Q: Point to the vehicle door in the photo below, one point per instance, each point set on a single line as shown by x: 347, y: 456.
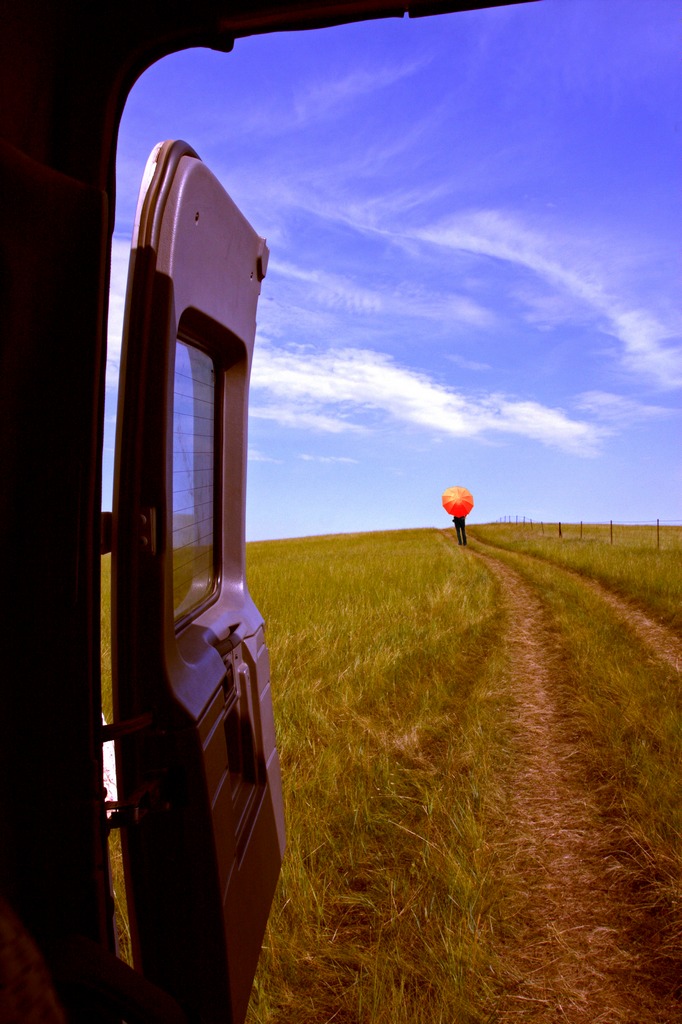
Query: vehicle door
x: 199, y: 793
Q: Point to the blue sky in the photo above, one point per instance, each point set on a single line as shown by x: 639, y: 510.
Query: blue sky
x: 474, y: 223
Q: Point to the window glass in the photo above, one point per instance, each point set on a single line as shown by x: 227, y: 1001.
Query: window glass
x: 194, y: 574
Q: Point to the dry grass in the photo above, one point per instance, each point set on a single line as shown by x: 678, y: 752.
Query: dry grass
x: 481, y: 771
x: 383, y: 704
x: 632, y: 567
x: 475, y: 868
x: 617, y: 710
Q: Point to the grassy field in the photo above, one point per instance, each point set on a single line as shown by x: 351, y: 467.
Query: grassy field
x: 382, y: 711
x: 398, y: 738
x: 632, y: 566
x: 627, y: 708
x: 663, y: 536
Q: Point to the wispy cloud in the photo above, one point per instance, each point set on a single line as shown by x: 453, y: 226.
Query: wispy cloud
x: 586, y: 279
x: 352, y: 389
x: 620, y: 411
x: 328, y: 459
x: 332, y: 290
x: 325, y: 97
x: 577, y: 279
x: 467, y: 364
x: 562, y: 264
x: 255, y: 455
x: 336, y: 291
x: 302, y: 416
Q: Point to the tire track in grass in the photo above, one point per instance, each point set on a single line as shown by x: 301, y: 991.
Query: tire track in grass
x: 567, y: 950
x: 662, y: 641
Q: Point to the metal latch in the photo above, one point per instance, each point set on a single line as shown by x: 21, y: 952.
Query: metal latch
x: 146, y: 799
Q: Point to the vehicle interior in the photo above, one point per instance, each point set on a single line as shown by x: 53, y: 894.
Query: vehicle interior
x: 198, y: 800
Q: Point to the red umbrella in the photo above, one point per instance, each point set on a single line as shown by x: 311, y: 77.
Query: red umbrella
x: 457, y: 501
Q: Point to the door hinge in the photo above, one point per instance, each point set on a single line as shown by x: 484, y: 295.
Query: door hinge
x: 147, y: 530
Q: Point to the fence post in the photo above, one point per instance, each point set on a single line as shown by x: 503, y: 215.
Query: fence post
x: 581, y: 529
x: 560, y: 534
x: 658, y: 534
x: 542, y: 526
x: 611, y: 525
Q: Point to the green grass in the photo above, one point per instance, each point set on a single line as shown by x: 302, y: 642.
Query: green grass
x: 628, y: 703
x: 649, y: 536
x: 396, y: 733
x: 397, y: 738
x: 626, y: 709
x: 384, y: 704
x: 632, y: 566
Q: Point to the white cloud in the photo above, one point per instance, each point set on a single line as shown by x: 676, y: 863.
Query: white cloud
x: 257, y: 456
x: 576, y: 279
x: 316, y: 101
x: 619, y: 410
x: 567, y: 265
x: 336, y: 291
x: 302, y: 416
x: 323, y: 98
x: 328, y: 458
x: 333, y: 290
x: 336, y: 389
x: 467, y: 364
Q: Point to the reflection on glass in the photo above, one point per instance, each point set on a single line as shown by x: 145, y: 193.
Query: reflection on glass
x: 193, y: 478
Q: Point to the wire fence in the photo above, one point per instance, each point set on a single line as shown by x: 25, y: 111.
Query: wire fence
x: 659, y: 533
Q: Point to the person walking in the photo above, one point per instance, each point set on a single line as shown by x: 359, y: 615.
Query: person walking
x: 460, y: 527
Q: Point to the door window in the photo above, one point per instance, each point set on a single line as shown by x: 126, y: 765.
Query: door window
x: 194, y: 572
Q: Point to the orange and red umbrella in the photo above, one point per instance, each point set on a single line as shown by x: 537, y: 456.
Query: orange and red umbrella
x: 457, y: 501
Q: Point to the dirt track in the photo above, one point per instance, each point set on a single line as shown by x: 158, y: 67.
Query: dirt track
x: 572, y: 956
